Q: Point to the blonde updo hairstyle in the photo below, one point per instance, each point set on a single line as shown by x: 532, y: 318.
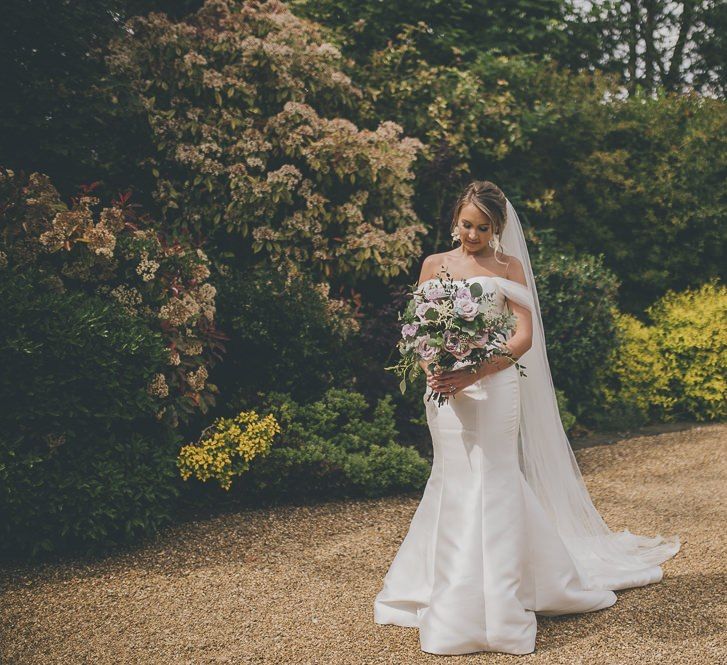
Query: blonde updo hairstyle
x: 490, y: 199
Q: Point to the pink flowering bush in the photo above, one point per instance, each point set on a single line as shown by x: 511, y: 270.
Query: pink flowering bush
x: 246, y: 108
x: 115, y: 252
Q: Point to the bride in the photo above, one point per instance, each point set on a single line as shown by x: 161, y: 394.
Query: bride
x: 505, y: 527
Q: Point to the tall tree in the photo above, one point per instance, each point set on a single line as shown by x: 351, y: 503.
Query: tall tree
x: 651, y: 43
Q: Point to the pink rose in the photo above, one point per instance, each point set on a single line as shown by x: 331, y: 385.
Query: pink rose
x: 409, y: 329
x: 451, y: 340
x: 422, y: 309
x: 466, y: 308
x: 425, y: 351
x: 434, y: 292
x: 479, y: 340
x: 456, y: 345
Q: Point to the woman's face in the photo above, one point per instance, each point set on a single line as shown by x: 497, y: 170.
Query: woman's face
x: 474, y: 228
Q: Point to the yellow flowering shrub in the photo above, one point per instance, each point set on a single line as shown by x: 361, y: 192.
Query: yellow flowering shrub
x: 675, y: 367
x: 226, y: 448
x: 639, y: 370
x: 691, y: 334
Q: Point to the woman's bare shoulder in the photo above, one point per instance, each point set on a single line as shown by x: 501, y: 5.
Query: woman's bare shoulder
x: 515, y: 271
x: 505, y: 258
x: 512, y: 261
x: 439, y: 260
x: 433, y: 258
x: 431, y: 265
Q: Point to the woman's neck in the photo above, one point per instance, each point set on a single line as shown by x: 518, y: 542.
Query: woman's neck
x: 485, y: 253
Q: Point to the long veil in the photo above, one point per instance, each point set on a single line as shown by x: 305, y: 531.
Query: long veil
x: 605, y: 559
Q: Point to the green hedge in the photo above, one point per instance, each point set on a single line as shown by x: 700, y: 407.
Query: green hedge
x: 83, y: 461
x: 577, y: 297
x: 673, y: 367
x: 282, y: 338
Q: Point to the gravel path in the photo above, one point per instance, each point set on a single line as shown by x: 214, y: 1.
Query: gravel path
x: 296, y: 584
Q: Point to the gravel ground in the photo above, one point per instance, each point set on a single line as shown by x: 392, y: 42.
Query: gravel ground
x: 296, y: 584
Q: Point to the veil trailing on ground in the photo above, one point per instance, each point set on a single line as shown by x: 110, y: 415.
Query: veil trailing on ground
x: 604, y: 558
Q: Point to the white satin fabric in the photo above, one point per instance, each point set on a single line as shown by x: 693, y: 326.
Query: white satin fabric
x: 481, y: 555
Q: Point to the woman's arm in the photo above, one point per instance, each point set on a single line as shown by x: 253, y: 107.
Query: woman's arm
x: 522, y: 338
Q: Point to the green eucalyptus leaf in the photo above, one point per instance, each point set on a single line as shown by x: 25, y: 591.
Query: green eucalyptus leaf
x: 476, y: 289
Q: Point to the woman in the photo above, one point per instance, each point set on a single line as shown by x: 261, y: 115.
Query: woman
x: 505, y: 527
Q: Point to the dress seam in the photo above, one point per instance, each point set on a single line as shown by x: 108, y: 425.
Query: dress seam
x: 529, y: 530
x: 483, y: 531
x: 435, y: 534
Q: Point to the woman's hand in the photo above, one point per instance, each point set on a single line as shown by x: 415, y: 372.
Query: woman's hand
x: 453, y: 381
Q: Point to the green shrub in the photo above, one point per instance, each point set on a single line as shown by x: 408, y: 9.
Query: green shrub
x: 84, y: 462
x: 87, y: 498
x: 283, y: 336
x: 124, y: 256
x: 566, y: 417
x: 642, y: 180
x: 577, y: 297
x: 674, y: 368
x: 338, y: 446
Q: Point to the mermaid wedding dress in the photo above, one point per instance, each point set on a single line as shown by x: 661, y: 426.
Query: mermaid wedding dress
x: 505, y: 527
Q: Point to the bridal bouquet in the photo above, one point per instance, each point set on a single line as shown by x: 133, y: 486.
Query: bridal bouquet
x: 446, y: 322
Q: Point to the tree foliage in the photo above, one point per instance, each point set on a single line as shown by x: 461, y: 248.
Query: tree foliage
x: 645, y: 186
x: 447, y: 32
x: 54, y: 113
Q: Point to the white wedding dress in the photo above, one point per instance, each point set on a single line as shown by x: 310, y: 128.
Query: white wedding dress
x: 482, y: 555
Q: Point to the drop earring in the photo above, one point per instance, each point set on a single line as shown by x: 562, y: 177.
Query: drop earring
x: 455, y: 237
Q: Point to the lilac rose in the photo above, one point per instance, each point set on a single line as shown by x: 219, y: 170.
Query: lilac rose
x: 425, y: 351
x: 434, y: 292
x: 409, y: 329
x: 456, y: 345
x: 451, y: 339
x: 422, y: 309
x: 480, y: 339
x: 466, y: 308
